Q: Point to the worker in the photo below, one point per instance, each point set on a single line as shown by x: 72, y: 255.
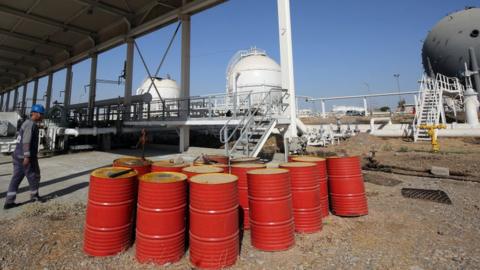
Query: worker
x: 25, y: 161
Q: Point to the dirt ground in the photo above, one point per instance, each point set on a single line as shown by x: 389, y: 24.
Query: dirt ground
x: 460, y: 155
x: 398, y: 233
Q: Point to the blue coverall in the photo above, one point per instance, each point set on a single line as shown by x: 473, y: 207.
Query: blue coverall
x: 26, y: 147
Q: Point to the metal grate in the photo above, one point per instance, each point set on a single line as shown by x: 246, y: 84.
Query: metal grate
x: 426, y: 194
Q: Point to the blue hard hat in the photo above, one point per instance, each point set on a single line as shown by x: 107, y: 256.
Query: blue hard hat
x: 38, y: 108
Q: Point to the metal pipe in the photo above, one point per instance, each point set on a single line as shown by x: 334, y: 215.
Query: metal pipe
x: 145, y: 98
x: 370, y: 95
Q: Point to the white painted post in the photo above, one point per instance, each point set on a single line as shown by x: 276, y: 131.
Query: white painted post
x: 324, y: 115
x: 365, y: 106
x: 184, y: 133
x: 128, y: 78
x: 286, y: 61
x: 93, y: 88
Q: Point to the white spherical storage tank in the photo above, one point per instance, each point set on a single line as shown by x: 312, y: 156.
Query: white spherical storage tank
x: 167, y: 88
x: 252, y: 71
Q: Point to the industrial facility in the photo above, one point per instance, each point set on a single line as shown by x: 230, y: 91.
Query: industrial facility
x: 262, y: 175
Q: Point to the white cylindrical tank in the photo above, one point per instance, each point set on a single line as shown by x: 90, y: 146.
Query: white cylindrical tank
x: 471, y: 107
x: 167, y: 88
x: 252, y: 71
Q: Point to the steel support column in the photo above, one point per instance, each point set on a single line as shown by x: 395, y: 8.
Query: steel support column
x: 286, y: 61
x: 8, y: 102
x: 128, y: 78
x: 15, y: 98
x: 24, y: 99
x: 474, y: 67
x: 67, y: 94
x: 324, y: 115
x: 93, y: 88
x: 365, y: 105
x: 48, y: 94
x: 1, y: 102
x: 35, y: 91
x: 184, y: 133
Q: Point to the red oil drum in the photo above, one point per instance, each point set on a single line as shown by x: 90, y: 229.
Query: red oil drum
x: 167, y: 166
x: 240, y: 170
x: 305, y: 188
x: 245, y: 160
x: 214, y: 232
x: 161, y: 212
x: 346, y: 187
x: 109, y: 218
x: 271, y: 216
x: 195, y: 170
x: 322, y: 178
x: 142, y: 166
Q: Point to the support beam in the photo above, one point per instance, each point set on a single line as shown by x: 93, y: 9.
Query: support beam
x: 67, y: 94
x: 184, y: 133
x: 18, y: 69
x: 286, y: 62
x: 24, y: 99
x: 93, y: 88
x: 128, y: 78
x: 8, y: 102
x: 48, y: 94
x: 324, y: 115
x: 32, y: 53
x: 1, y: 102
x: 21, y: 63
x: 475, y: 68
x: 35, y: 92
x: 39, y: 19
x: 15, y: 98
x: 34, y: 39
x: 106, y: 8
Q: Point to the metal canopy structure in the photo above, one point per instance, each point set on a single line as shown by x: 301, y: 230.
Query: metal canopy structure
x: 38, y: 37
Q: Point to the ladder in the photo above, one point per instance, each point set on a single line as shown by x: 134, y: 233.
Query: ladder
x: 253, y: 129
x: 430, y: 110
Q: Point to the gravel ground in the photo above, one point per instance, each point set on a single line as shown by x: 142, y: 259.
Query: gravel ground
x: 398, y: 233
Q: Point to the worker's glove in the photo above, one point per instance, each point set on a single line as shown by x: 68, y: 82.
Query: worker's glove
x: 26, y: 161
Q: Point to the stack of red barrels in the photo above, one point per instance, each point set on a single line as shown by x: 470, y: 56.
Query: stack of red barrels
x: 176, y: 206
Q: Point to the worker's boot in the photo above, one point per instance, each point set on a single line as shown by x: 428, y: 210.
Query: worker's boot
x: 10, y: 205
x: 37, y: 198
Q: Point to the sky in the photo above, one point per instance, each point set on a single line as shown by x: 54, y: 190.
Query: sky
x: 346, y: 47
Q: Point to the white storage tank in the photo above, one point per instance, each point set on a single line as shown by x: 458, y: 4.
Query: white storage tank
x: 253, y: 71
x: 167, y: 88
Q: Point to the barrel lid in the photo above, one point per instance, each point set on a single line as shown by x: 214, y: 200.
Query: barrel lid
x: 308, y: 159
x: 249, y: 165
x: 163, y: 177
x: 132, y: 161
x: 203, y: 169
x: 107, y: 171
x: 168, y: 163
x: 214, y: 178
x: 335, y: 157
x: 245, y: 159
x: 297, y: 164
x: 268, y: 171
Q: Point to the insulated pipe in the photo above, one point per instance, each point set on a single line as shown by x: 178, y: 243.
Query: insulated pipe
x: 471, y: 107
x: 145, y: 98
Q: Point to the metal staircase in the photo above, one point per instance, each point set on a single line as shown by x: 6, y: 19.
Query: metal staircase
x: 254, y: 128
x: 430, y: 109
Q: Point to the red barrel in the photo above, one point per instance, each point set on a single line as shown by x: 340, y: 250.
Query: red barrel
x: 167, y: 166
x: 305, y: 188
x: 109, y: 218
x: 322, y: 178
x: 271, y: 216
x: 161, y: 211
x: 142, y: 166
x: 347, y: 190
x: 240, y: 170
x: 196, y: 170
x: 214, y: 233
